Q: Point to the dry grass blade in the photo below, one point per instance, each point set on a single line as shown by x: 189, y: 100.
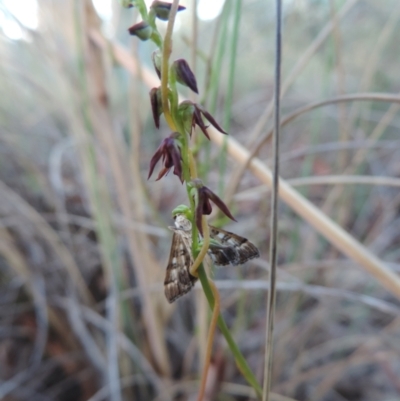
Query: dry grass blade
x: 21, y: 206
x: 261, y: 190
x: 345, y: 179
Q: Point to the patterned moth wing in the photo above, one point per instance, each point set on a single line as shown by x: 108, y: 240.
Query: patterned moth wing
x: 226, y: 249
x: 233, y: 248
x: 178, y: 281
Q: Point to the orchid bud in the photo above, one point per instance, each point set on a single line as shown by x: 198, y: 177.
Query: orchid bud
x: 156, y: 105
x: 142, y: 30
x: 184, y: 74
x: 162, y: 9
x: 157, y: 61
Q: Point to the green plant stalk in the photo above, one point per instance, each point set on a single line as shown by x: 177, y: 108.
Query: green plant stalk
x: 150, y: 18
x: 213, y: 87
x: 217, y: 66
x: 141, y: 6
x: 187, y: 176
x: 229, y: 94
x: 240, y: 360
x: 232, y: 65
x: 166, y: 52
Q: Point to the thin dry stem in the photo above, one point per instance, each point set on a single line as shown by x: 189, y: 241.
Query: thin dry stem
x: 345, y: 179
x: 273, y: 248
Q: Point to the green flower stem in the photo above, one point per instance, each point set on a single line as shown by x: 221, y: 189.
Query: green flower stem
x: 240, y: 361
x: 156, y: 38
x: 174, y: 97
x: 141, y: 6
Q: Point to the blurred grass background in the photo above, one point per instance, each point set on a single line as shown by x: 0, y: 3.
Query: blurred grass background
x: 83, y: 234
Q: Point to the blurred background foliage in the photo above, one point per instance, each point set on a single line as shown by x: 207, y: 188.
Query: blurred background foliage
x: 83, y: 234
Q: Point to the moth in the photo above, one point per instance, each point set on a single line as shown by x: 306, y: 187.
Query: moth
x: 227, y: 248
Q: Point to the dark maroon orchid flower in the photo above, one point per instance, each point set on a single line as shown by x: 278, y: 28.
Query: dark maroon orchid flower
x: 170, y: 153
x: 203, y: 204
x: 191, y: 115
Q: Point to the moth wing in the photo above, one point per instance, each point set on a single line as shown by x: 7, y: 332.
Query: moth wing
x: 178, y: 281
x: 233, y: 248
x: 223, y: 255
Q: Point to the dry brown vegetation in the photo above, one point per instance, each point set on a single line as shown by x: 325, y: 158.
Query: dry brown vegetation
x: 83, y: 235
